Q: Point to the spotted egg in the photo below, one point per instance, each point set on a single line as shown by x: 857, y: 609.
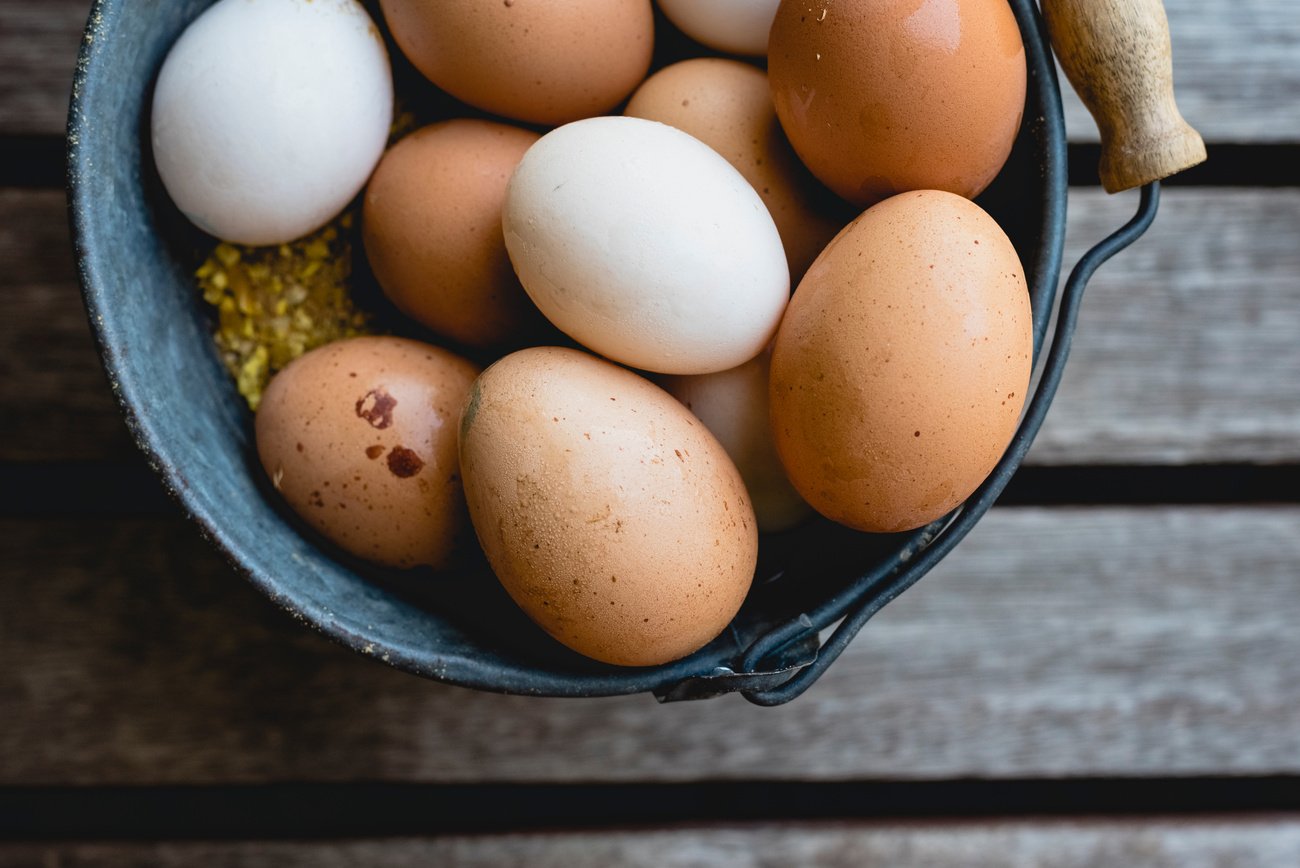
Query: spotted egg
x: 359, y: 438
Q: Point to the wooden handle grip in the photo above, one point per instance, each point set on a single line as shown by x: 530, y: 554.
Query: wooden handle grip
x: 1116, y: 54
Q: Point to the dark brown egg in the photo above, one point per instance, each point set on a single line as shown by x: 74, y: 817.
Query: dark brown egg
x: 883, y: 96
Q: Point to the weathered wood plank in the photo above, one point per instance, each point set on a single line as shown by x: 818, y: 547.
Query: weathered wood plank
x: 1186, y: 351
x: 55, y: 402
x: 38, y: 50
x: 1236, y: 68
x: 1053, y: 642
x: 1264, y: 842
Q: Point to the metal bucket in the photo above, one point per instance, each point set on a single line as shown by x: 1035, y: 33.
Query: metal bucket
x: 136, y: 272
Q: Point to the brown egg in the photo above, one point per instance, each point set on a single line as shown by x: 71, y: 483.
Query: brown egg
x: 543, y: 61
x: 432, y: 230
x: 902, y: 363
x: 727, y: 105
x: 892, y: 95
x: 609, y: 513
x: 359, y: 437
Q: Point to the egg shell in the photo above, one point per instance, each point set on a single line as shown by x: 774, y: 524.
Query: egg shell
x: 359, y: 438
x: 269, y: 115
x: 883, y: 96
x: 542, y: 61
x: 727, y: 104
x: 645, y: 245
x: 734, y: 26
x: 610, y: 514
x: 734, y: 406
x: 901, y: 367
x: 432, y: 231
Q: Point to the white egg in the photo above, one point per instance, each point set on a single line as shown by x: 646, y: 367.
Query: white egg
x: 737, y: 26
x: 733, y: 405
x: 269, y: 115
x: 643, y: 244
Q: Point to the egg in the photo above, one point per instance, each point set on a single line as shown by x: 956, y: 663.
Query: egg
x: 733, y: 405
x: 432, y: 230
x: 734, y: 26
x: 359, y: 438
x: 541, y: 61
x: 269, y: 115
x: 645, y: 245
x: 886, y: 96
x: 609, y: 513
x: 902, y: 364
x: 727, y: 105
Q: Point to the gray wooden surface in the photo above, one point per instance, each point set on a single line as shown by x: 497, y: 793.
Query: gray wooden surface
x: 1057, y: 643
x: 1263, y: 842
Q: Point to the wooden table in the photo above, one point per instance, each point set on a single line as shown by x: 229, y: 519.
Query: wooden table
x: 1106, y: 673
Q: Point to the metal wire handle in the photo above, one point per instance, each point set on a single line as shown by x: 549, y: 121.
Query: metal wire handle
x: 930, y: 544
x: 785, y: 661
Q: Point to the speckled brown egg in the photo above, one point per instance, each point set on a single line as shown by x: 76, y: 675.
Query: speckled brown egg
x: 359, y: 438
x: 727, y: 105
x: 883, y: 96
x: 432, y: 231
x: 609, y: 513
x: 542, y: 61
x: 902, y: 364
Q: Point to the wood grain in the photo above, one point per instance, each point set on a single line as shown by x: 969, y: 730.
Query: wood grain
x: 1259, y: 842
x: 1186, y: 351
x: 55, y: 402
x: 38, y: 50
x: 1236, y: 68
x: 1053, y: 642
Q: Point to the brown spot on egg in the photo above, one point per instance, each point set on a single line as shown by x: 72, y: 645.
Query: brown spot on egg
x: 376, y: 407
x: 404, y: 463
x: 373, y: 452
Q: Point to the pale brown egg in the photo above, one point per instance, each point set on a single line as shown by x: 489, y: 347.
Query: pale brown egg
x: 892, y: 95
x: 609, y: 513
x: 542, y: 61
x: 432, y: 231
x: 359, y: 438
x: 727, y: 105
x: 734, y: 405
x: 902, y: 364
